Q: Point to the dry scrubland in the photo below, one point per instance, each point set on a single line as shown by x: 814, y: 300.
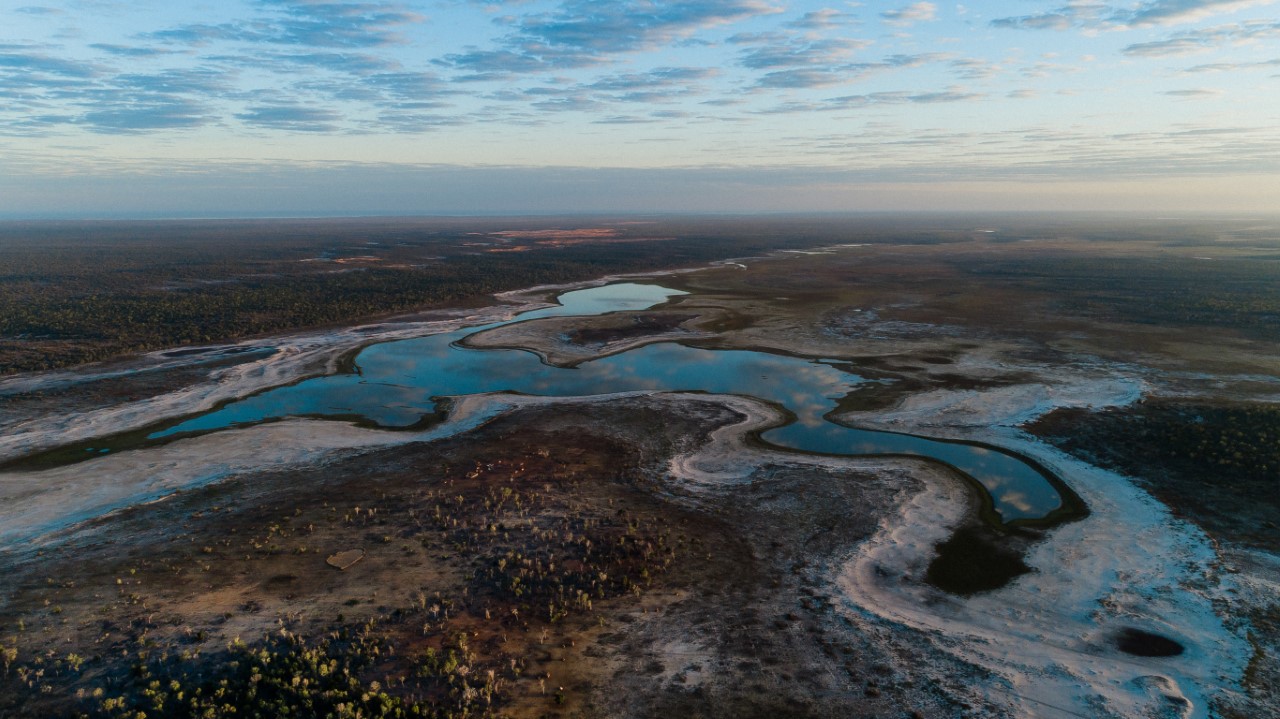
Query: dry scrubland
x: 541, y: 565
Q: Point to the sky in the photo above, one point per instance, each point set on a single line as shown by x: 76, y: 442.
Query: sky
x: 312, y: 107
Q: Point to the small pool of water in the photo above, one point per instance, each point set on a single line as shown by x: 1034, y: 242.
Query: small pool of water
x: 398, y: 380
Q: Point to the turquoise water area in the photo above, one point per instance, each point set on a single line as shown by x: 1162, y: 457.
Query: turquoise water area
x: 398, y: 380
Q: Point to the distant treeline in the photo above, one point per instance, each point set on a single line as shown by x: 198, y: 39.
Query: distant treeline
x: 76, y: 292
x: 72, y: 293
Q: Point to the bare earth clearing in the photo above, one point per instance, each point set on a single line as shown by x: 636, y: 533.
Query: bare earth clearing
x: 642, y: 555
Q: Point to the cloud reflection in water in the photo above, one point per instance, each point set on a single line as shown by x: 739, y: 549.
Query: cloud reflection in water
x: 399, y: 379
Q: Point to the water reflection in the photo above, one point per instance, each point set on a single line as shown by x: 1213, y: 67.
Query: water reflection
x: 399, y: 379
x: 1018, y: 490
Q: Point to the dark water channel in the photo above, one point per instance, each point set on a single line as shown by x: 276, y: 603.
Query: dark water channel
x: 398, y: 380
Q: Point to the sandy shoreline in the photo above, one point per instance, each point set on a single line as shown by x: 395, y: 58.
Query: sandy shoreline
x: 1048, y: 635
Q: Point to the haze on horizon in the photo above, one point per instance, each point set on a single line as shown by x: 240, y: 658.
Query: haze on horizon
x: 277, y: 107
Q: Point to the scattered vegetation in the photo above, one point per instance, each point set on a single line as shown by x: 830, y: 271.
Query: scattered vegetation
x: 75, y: 292
x: 640, y: 325
x: 1217, y: 464
x: 1169, y: 291
x: 512, y: 558
x: 281, y: 676
x: 80, y: 292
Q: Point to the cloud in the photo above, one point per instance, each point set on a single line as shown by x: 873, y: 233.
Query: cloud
x: 396, y: 98
x: 658, y: 85
x: 799, y: 60
x: 586, y: 97
x: 583, y: 33
x: 34, y: 89
x: 1048, y: 69
x: 1193, y: 41
x: 841, y: 73
x: 658, y: 77
x: 911, y: 14
x: 1085, y: 14
x: 933, y: 98
x: 43, y: 93
x: 139, y: 102
x: 824, y: 19
x: 623, y: 120
x: 803, y: 79
x: 896, y: 98
x: 1193, y: 93
x: 1165, y: 48
x: 414, y: 86
x: 653, y: 117
x: 129, y: 116
x: 975, y: 69
x: 796, y: 61
x: 45, y: 64
x: 629, y: 25
x: 313, y: 66
x: 413, y: 122
x: 340, y: 62
x: 342, y: 77
x: 573, y: 102
x: 308, y: 23
x: 320, y: 24
x: 199, y: 34
x: 129, y: 50
x: 901, y: 97
x: 1233, y: 66
x: 488, y: 65
x: 802, y: 52
x: 1169, y: 12
x: 1075, y: 15
x: 293, y: 118
x: 846, y: 169
x: 655, y: 86
x: 203, y: 82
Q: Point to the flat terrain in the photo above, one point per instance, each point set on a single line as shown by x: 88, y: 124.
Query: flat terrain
x: 76, y: 292
x: 556, y: 566
x: 645, y: 555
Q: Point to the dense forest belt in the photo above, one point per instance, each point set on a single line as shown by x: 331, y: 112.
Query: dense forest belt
x: 1218, y: 465
x: 72, y: 293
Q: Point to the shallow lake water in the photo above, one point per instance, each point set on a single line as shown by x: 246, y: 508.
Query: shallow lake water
x: 397, y: 382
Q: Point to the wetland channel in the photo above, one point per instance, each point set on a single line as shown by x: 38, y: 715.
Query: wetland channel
x: 399, y: 384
